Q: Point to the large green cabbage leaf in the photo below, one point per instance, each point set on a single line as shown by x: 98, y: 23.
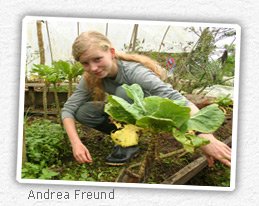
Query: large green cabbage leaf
x: 176, y: 113
x: 207, y: 120
x: 136, y: 94
x: 155, y: 123
x: 120, y: 110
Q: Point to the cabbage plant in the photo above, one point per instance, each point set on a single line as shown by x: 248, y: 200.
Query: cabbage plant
x: 156, y: 114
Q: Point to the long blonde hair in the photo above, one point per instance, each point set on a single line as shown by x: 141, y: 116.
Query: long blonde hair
x: 87, y: 40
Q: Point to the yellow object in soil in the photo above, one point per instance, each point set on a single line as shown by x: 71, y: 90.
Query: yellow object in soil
x: 126, y: 136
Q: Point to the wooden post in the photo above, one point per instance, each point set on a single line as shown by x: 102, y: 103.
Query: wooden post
x: 135, y: 38
x: 45, y: 100
x: 107, y: 28
x: 40, y: 42
x: 78, y: 28
x: 162, y: 42
x: 50, y: 47
x: 31, y: 96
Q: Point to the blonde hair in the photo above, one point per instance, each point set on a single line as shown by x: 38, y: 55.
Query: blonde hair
x: 87, y: 40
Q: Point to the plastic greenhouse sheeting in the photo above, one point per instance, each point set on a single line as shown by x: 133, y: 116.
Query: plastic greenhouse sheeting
x: 218, y: 91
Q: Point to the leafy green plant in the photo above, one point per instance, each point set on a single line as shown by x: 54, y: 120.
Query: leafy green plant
x: 70, y: 71
x: 82, y: 172
x: 37, y: 171
x: 46, y: 141
x: 229, y: 66
x: 225, y: 101
x: 158, y: 114
x: 50, y: 75
x: 219, y: 175
x: 196, y: 69
x: 47, y: 174
x: 41, y: 71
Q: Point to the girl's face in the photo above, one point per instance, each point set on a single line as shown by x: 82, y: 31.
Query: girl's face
x: 99, y: 63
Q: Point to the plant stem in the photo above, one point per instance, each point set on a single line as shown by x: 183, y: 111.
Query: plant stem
x: 148, y: 159
x: 45, y: 100
x: 57, y: 102
x: 70, y: 82
x: 170, y: 154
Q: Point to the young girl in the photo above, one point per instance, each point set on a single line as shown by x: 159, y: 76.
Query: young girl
x: 105, y: 71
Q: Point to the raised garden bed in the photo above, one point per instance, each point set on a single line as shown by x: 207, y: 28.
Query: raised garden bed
x: 34, y: 94
x: 179, y: 168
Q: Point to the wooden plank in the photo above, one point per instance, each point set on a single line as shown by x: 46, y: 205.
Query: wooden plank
x: 39, y: 84
x: 128, y: 176
x: 40, y: 112
x: 178, y: 178
x: 189, y: 171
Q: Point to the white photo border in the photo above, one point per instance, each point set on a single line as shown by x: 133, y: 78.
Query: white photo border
x: 115, y: 184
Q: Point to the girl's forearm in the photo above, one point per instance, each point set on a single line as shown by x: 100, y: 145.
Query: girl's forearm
x: 70, y: 127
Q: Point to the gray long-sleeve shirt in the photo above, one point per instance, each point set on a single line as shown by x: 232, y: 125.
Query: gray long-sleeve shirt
x: 128, y: 73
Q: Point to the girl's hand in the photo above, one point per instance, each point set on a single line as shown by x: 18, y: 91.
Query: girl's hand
x: 216, y: 150
x: 81, y: 153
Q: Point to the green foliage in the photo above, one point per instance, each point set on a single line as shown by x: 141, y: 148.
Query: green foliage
x: 189, y: 141
x: 37, y: 171
x: 229, y: 66
x: 50, y: 74
x: 68, y: 169
x: 31, y: 171
x: 207, y: 120
x: 224, y: 101
x: 81, y: 173
x: 47, y: 174
x: 199, y: 56
x: 219, y: 175
x: 54, y: 74
x: 164, y: 115
x: 138, y: 46
x: 58, y: 71
x: 195, y: 69
x: 41, y: 70
x: 69, y: 70
x: 120, y: 109
x: 46, y: 141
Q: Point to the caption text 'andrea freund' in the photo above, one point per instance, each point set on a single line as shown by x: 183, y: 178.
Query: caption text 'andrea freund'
x: 76, y: 195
